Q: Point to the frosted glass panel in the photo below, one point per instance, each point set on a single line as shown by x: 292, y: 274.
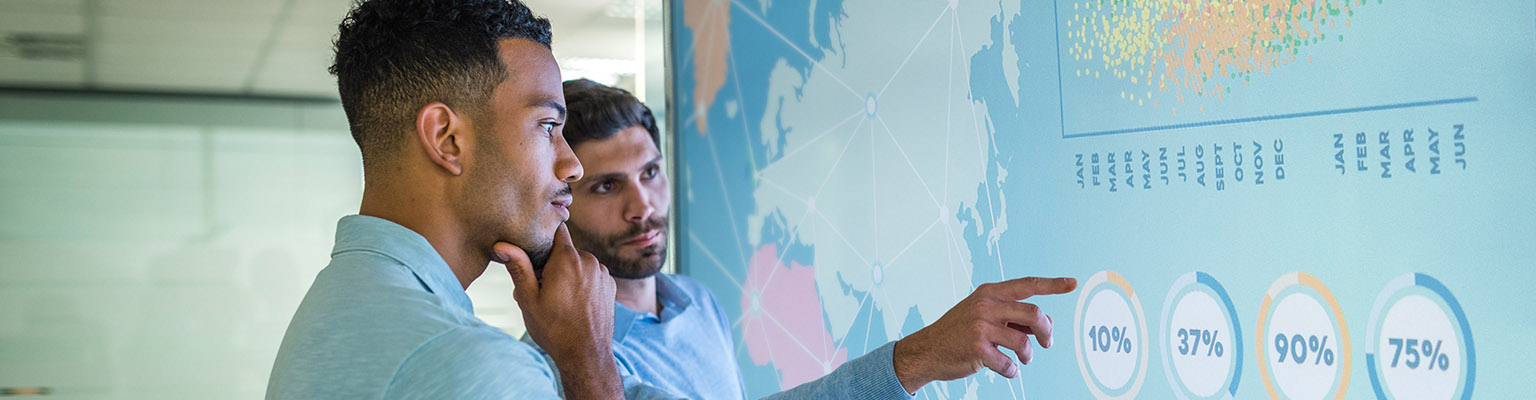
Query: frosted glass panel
x: 157, y: 248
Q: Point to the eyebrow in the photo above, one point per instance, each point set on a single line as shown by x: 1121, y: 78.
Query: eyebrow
x: 551, y: 104
x: 617, y: 175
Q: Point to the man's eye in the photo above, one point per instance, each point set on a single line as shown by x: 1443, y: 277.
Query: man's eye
x: 549, y: 127
x: 651, y: 172
x: 602, y: 187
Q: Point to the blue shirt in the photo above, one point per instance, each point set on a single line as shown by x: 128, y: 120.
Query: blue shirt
x: 689, y: 350
x: 387, y: 319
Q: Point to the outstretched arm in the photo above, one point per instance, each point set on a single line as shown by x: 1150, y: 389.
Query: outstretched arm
x: 959, y: 344
x: 968, y: 336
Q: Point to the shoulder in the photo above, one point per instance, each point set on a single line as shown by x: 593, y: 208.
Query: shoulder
x: 370, y: 295
x: 691, y: 286
x: 703, y: 299
x: 362, y: 317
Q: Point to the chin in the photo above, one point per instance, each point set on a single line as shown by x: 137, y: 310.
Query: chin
x: 617, y: 274
x: 637, y: 268
x: 533, y: 241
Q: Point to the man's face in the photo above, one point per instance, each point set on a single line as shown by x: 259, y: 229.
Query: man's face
x: 620, y: 214
x: 517, y: 188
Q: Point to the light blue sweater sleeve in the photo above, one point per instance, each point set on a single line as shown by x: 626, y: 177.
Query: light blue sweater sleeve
x: 872, y: 376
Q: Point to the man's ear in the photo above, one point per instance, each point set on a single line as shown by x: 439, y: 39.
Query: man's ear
x: 441, y: 134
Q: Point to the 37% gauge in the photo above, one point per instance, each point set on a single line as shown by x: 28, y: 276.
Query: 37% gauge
x: 1191, y: 339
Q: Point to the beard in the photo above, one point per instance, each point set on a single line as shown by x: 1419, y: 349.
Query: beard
x: 607, y: 249
x: 496, y: 209
x: 538, y: 255
x: 538, y: 252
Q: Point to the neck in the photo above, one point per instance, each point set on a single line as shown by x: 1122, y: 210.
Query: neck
x: 436, y: 224
x: 637, y: 294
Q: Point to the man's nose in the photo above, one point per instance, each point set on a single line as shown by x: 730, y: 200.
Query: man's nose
x: 639, y: 206
x: 567, y: 167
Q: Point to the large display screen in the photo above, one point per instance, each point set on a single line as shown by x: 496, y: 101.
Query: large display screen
x: 1260, y: 199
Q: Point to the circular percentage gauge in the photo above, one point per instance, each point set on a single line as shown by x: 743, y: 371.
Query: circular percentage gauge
x: 1420, y: 342
x: 1302, y: 341
x: 1111, y: 337
x: 1202, y: 341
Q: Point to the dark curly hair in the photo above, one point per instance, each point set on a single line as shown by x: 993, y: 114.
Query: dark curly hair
x: 598, y: 112
x: 395, y: 56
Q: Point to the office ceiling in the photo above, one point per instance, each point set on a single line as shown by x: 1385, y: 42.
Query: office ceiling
x: 233, y: 47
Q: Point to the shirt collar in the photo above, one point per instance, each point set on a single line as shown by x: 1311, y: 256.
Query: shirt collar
x: 672, y: 298
x: 386, y: 238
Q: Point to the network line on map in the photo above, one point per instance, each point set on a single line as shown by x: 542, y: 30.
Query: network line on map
x: 862, y: 103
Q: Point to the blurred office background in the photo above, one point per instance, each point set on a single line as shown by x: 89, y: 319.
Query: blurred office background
x: 171, y: 172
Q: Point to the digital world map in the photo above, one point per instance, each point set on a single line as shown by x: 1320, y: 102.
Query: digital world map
x: 849, y: 170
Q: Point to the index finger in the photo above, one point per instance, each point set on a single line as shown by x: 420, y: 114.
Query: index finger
x: 524, y: 280
x: 563, y: 239
x: 1023, y: 288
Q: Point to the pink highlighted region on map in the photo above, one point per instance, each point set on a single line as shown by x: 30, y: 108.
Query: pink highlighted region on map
x: 782, y: 323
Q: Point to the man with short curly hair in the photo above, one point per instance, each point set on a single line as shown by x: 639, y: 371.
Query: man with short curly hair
x: 456, y: 107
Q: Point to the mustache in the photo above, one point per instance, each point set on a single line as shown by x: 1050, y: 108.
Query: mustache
x: 563, y: 192
x: 653, y: 223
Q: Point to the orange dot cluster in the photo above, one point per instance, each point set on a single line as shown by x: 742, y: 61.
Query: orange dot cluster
x: 1198, y: 47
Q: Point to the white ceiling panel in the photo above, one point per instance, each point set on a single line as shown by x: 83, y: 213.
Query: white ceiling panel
x: 269, y: 47
x: 144, y: 66
x: 318, y: 13
x: 112, y: 31
x: 568, y: 11
x: 175, y: 58
x: 596, y: 41
x: 296, y: 71
x: 310, y: 37
x: 191, y: 10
